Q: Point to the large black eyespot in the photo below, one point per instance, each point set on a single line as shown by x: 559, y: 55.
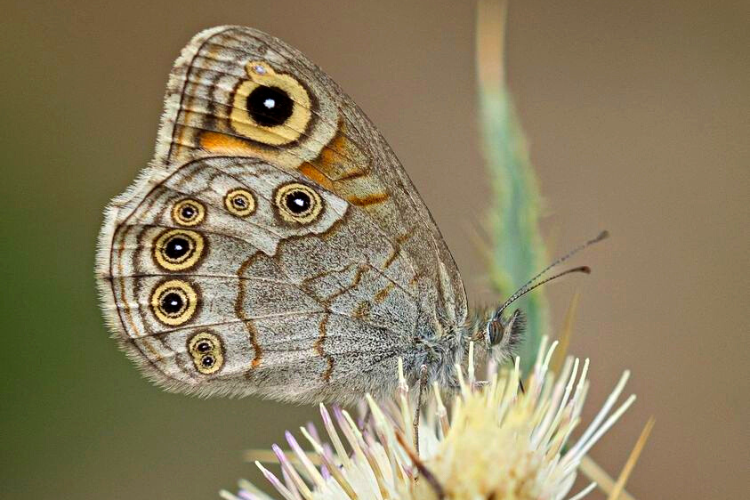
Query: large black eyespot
x: 172, y: 303
x: 269, y: 106
x: 265, y: 100
x: 298, y: 203
x: 178, y: 249
x: 187, y: 212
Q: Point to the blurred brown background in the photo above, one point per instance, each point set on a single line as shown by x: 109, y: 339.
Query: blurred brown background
x: 637, y: 115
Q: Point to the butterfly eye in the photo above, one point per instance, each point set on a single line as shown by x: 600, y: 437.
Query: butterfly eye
x: 178, y: 249
x: 298, y: 203
x: 270, y: 108
x: 207, y: 352
x: 188, y: 213
x: 174, y: 302
x: 240, y: 202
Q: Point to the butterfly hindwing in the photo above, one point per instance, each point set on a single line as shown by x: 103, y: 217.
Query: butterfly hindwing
x: 280, y: 302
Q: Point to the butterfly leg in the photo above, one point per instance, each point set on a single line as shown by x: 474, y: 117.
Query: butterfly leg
x: 424, y: 472
x: 366, y: 419
x: 420, y: 400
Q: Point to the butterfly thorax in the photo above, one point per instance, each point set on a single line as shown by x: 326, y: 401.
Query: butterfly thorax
x: 443, y: 354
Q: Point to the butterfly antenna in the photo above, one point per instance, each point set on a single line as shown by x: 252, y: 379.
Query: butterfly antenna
x: 527, y: 289
x: 531, y: 284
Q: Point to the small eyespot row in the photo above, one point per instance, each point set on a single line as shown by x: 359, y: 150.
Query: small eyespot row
x: 240, y: 202
x: 298, y: 203
x: 207, y: 352
x: 188, y: 212
x: 174, y: 302
x: 178, y: 249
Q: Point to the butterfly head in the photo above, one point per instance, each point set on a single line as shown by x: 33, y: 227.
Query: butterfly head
x: 506, y: 333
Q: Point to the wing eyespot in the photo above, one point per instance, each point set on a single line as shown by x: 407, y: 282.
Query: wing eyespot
x: 240, y: 202
x: 174, y: 302
x: 298, y: 203
x: 178, y: 249
x: 207, y: 351
x: 270, y: 108
x: 188, y: 212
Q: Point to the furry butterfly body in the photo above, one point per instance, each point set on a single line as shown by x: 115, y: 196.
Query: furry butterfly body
x: 275, y: 245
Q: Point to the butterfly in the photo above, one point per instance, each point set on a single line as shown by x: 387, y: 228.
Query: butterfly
x: 275, y: 246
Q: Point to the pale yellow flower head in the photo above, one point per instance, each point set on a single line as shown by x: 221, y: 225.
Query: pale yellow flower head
x: 495, y: 442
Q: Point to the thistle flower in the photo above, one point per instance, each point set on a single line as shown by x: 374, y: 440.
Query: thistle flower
x: 495, y: 442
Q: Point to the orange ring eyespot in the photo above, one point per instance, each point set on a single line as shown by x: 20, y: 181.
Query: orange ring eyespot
x: 174, y: 302
x: 178, y: 249
x: 207, y: 352
x: 188, y: 212
x: 240, y: 202
x: 298, y: 203
x: 270, y: 108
